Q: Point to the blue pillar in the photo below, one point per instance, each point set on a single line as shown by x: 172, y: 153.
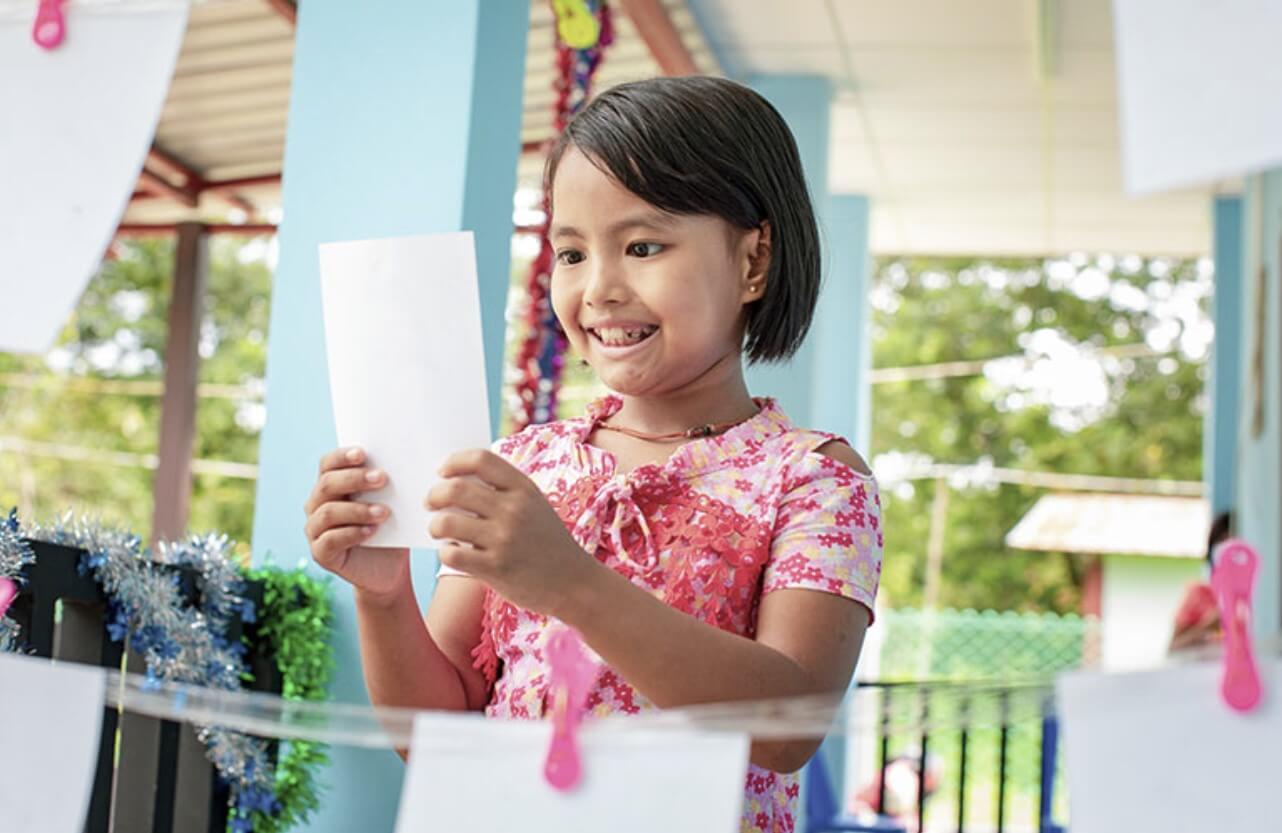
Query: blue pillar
x: 840, y: 395
x: 1219, y: 445
x: 803, y: 101
x: 404, y: 119
x: 1258, y: 492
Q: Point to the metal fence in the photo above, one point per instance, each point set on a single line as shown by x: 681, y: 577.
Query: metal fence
x: 951, y: 752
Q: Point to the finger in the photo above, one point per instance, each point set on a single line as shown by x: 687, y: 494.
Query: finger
x: 464, y: 559
x: 331, y: 546
x: 343, y: 513
x: 341, y: 484
x: 461, y: 493
x: 454, y: 526
x: 341, y: 458
x: 486, y: 465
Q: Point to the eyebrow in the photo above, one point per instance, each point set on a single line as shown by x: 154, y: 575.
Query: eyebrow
x: 654, y: 220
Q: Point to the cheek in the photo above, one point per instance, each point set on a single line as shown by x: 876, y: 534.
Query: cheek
x: 565, y: 305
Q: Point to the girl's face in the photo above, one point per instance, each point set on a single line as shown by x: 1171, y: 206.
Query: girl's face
x: 652, y: 301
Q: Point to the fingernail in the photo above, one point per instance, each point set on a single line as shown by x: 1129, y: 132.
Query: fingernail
x: 354, y: 454
x: 373, y: 476
x: 367, y: 530
x: 378, y: 511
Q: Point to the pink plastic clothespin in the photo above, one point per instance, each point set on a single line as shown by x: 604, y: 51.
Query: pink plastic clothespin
x: 1233, y: 579
x: 573, y: 672
x: 8, y: 590
x: 50, y: 27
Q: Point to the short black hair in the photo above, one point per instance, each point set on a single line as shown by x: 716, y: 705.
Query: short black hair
x: 701, y: 145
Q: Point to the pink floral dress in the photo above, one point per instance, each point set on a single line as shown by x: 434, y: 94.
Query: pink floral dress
x: 721, y: 523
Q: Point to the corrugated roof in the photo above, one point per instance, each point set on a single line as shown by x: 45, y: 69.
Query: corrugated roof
x: 1173, y: 527
x: 225, y: 115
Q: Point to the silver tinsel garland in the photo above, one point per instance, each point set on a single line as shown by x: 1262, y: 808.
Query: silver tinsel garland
x: 180, y: 642
x: 14, y: 555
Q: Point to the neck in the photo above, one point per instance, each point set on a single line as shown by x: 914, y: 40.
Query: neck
x: 720, y: 395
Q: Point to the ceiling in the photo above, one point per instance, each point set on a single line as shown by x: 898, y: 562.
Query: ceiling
x: 984, y: 127
x: 225, y: 115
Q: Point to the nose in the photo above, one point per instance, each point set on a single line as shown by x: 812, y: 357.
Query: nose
x: 605, y: 285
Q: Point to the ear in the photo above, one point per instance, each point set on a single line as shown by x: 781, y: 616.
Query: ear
x: 755, y: 253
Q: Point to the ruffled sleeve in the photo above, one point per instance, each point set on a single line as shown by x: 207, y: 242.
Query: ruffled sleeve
x: 827, y: 533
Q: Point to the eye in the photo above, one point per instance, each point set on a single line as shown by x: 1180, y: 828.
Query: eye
x: 644, y: 249
x: 569, y: 257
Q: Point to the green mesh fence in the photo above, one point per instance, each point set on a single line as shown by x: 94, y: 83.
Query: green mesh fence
x: 966, y: 645
x: 979, y: 646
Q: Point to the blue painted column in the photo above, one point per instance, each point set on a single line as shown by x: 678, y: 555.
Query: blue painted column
x: 1219, y: 447
x: 804, y: 102
x: 841, y: 399
x: 404, y: 118
x: 1258, y: 492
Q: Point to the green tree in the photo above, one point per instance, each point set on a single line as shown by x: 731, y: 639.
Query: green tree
x: 57, y: 404
x: 1064, y: 405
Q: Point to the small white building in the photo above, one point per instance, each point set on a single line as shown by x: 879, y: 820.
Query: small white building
x: 1142, y: 552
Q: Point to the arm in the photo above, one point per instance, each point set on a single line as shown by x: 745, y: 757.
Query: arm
x: 421, y: 662
x: 406, y: 661
x: 683, y: 661
x: 417, y: 662
x: 807, y: 642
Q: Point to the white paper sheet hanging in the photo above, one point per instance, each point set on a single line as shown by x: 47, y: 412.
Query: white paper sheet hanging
x: 50, y: 720
x: 75, y: 126
x: 1158, y: 752
x: 406, y: 364
x: 1198, y: 89
x: 468, y: 774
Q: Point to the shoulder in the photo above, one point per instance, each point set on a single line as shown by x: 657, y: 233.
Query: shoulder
x: 810, y: 453
x: 534, y: 441
x: 838, y: 449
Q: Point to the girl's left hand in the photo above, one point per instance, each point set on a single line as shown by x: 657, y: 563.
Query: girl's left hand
x: 519, y: 546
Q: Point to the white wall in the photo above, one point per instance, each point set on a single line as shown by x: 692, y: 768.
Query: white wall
x: 1140, y: 597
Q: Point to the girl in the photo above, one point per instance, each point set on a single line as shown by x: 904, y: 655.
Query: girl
x: 705, y: 547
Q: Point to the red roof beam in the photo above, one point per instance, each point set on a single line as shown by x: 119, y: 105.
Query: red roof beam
x: 154, y: 183
x: 287, y: 9
x: 664, y: 41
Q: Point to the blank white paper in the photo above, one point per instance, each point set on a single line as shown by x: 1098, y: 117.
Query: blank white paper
x: 1199, y: 89
x: 470, y: 774
x: 76, y: 123
x: 50, y: 720
x: 406, y: 364
x: 1159, y: 752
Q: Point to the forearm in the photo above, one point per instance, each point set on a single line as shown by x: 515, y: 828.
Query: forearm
x: 683, y: 661
x: 402, y: 664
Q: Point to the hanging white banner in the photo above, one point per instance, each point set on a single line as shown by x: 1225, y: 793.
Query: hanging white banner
x: 1198, y: 90
x: 77, y: 123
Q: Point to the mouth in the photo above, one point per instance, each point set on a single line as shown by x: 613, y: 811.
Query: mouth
x: 619, y: 337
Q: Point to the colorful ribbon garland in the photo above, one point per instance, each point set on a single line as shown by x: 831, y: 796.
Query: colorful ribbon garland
x: 540, y: 357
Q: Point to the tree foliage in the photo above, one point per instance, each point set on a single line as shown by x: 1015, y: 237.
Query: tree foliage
x: 1061, y: 403
x: 117, y: 333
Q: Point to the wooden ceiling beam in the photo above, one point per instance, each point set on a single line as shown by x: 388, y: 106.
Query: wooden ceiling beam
x: 661, y: 37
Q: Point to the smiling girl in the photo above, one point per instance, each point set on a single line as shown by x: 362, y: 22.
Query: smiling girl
x: 704, y: 546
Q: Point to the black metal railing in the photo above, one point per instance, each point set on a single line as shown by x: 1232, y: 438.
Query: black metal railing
x: 956, y: 740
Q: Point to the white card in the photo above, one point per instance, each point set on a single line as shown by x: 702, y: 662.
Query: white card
x: 76, y: 125
x: 50, y: 724
x: 406, y: 364
x: 1197, y: 89
x: 469, y: 774
x: 1159, y: 751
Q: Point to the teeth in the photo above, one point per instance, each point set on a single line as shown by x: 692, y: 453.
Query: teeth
x: 619, y: 337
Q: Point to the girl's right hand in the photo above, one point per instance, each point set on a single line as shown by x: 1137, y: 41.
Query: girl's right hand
x: 337, y: 525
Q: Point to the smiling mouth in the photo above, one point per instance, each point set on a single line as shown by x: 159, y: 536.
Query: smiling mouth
x: 620, y: 337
